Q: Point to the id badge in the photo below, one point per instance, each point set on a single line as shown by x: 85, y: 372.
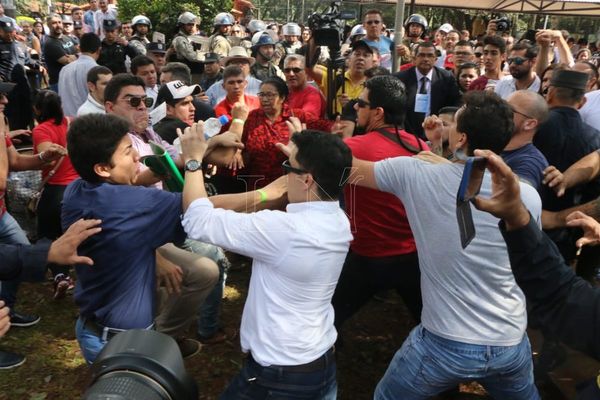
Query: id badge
x: 422, y: 103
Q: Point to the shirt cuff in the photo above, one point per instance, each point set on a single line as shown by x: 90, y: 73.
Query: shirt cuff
x: 523, y: 238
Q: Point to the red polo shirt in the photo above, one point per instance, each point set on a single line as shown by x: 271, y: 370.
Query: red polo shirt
x: 309, y: 99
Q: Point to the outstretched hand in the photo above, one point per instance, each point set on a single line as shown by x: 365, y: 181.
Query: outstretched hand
x: 64, y: 249
x: 591, y: 228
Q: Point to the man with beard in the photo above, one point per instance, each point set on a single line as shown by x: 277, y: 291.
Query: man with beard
x: 521, y: 63
x: 428, y: 88
x: 59, y: 50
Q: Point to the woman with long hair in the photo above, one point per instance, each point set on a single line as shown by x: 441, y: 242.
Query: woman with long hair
x: 52, y: 128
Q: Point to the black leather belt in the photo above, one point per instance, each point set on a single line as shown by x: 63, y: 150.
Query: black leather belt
x: 98, y: 329
x: 317, y: 365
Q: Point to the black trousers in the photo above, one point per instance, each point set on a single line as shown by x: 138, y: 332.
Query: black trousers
x: 362, y: 277
x: 48, y: 219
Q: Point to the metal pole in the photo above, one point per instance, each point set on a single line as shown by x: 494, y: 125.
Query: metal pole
x: 302, y: 13
x: 287, y: 12
x: 546, y: 22
x: 397, y: 33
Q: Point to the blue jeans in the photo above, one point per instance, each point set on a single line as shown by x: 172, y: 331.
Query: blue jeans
x: 427, y: 364
x: 210, y: 309
x: 10, y: 233
x: 274, y: 383
x: 90, y: 344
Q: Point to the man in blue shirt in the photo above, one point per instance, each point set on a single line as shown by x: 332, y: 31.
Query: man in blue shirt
x: 119, y: 292
x: 373, y: 23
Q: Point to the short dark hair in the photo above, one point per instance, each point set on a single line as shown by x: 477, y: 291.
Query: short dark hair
x: 118, y: 82
x: 373, y: 11
x: 464, y: 43
x: 568, y: 95
x: 48, y: 106
x: 592, y: 66
x: 389, y: 93
x: 231, y: 70
x: 76, y: 9
x: 140, y: 61
x: 89, y: 43
x: 530, y: 51
x: 487, y: 120
x: 467, y: 65
x: 495, y: 41
x: 179, y: 72
x: 326, y: 157
x: 92, y: 139
x: 421, y: 45
x: 279, y: 84
x: 94, y: 74
x: 376, y: 71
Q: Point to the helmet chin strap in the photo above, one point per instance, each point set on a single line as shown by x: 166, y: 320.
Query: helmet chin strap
x: 264, y: 56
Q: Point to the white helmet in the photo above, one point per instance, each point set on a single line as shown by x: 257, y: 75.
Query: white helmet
x: 187, y: 18
x: 446, y: 28
x: 291, y: 29
x: 256, y: 25
x: 141, y: 20
x: 357, y: 30
x: 223, y: 19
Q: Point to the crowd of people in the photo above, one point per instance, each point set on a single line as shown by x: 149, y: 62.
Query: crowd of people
x: 331, y: 207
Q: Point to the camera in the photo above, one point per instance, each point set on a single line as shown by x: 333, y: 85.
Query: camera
x: 140, y: 365
x: 328, y: 28
x: 503, y: 24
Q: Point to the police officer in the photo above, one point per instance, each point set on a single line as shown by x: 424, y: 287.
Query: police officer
x: 157, y: 51
x: 291, y: 41
x: 415, y: 28
x: 10, y: 53
x: 212, y: 71
x: 183, y: 48
x: 141, y: 26
x: 263, y: 50
x: 114, y: 49
x: 218, y: 41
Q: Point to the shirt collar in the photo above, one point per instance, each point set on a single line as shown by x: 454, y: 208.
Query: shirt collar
x: 420, y: 75
x: 94, y: 102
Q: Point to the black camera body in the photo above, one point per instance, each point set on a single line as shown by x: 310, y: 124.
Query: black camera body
x: 503, y: 24
x: 328, y: 28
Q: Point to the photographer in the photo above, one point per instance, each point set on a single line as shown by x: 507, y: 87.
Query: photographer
x: 564, y: 303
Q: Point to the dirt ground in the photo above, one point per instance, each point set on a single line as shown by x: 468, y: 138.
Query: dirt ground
x: 55, y: 369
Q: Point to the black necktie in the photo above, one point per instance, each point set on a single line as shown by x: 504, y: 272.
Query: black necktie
x: 423, y: 89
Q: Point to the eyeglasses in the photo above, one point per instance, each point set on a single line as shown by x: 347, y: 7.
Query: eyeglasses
x: 517, y: 60
x: 373, y: 22
x: 267, y: 95
x: 135, y: 101
x: 362, y: 103
x: 520, y: 113
x: 287, y: 168
x: 294, y: 70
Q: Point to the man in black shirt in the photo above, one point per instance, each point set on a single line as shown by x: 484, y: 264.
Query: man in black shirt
x: 114, y: 49
x: 59, y: 50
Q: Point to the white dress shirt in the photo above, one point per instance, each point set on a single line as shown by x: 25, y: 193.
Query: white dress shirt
x: 297, y: 260
x: 506, y: 86
x: 72, y: 84
x: 590, y: 112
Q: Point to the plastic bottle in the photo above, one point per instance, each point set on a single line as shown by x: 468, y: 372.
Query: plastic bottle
x: 212, y: 126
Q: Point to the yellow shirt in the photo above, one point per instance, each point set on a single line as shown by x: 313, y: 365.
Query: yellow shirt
x: 351, y: 88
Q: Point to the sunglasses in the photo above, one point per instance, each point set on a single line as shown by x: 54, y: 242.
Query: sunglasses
x: 517, y: 60
x: 294, y: 70
x: 373, y: 22
x: 287, y: 168
x: 523, y: 114
x: 362, y: 103
x: 135, y: 101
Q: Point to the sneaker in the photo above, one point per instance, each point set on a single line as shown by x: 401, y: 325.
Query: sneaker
x: 10, y: 360
x: 22, y: 320
x: 188, y: 347
x: 62, y: 284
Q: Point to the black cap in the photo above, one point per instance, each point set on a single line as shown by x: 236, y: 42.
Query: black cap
x: 7, y: 24
x: 363, y: 45
x: 6, y: 87
x: 211, y: 57
x: 156, y: 47
x: 110, y: 24
x: 569, y: 79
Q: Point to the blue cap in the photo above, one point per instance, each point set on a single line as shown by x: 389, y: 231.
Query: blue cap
x: 224, y: 119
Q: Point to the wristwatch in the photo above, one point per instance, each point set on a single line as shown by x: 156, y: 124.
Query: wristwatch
x: 193, y: 165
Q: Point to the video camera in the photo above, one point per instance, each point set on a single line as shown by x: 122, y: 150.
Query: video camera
x: 503, y: 23
x: 328, y: 27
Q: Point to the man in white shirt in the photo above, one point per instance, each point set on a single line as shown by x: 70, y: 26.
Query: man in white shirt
x: 474, y: 314
x: 287, y: 325
x: 589, y: 112
x: 521, y: 63
x: 97, y: 79
x: 72, y: 79
x: 106, y: 11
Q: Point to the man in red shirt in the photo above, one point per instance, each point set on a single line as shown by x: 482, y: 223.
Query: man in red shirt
x: 302, y: 95
x: 494, y: 55
x: 383, y: 254
x: 234, y: 83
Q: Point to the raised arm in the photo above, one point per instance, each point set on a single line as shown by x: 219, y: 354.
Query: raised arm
x: 583, y: 171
